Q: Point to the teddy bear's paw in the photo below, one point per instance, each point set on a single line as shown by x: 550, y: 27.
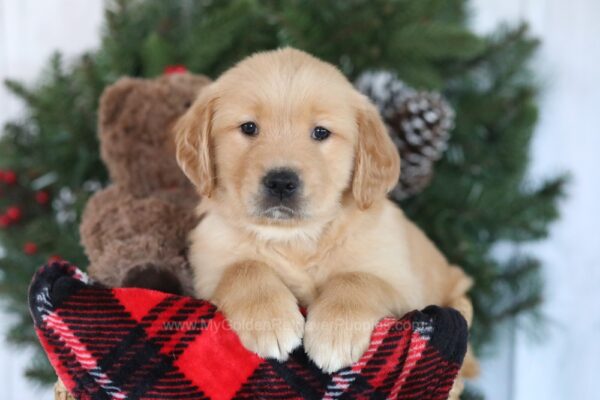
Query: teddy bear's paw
x: 336, y: 337
x: 271, y: 329
x: 151, y: 277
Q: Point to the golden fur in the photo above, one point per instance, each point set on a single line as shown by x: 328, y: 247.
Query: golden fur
x: 348, y: 254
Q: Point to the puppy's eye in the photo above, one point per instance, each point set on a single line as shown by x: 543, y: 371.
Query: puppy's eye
x: 249, y: 128
x: 320, y: 133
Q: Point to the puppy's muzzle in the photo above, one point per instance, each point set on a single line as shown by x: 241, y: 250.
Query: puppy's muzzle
x: 280, y: 198
x: 281, y: 184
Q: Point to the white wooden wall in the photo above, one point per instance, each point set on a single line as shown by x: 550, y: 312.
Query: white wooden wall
x: 566, y: 363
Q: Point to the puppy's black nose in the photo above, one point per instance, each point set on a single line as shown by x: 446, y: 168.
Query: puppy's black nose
x: 281, y: 183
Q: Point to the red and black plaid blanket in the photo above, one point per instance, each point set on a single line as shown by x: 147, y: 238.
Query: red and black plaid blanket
x: 141, y: 344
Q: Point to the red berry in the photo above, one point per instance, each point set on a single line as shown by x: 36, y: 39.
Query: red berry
x: 30, y: 248
x: 14, y: 213
x: 42, y: 197
x: 54, y: 258
x: 10, y: 178
x: 175, y: 69
x: 5, y: 221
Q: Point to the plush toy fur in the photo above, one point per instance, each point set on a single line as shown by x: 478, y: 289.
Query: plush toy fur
x: 134, y: 231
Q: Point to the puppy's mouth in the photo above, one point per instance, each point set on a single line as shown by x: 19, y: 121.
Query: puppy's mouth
x: 285, y: 212
x: 280, y: 212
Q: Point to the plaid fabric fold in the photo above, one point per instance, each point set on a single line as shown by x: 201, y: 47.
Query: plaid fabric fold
x: 129, y: 343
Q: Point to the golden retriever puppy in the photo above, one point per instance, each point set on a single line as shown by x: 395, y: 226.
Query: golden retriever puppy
x: 294, y: 166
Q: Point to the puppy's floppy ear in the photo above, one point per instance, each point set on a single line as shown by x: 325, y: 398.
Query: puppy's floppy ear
x: 377, y: 162
x: 193, y: 142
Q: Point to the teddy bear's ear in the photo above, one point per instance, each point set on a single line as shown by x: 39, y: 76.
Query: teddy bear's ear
x: 113, y: 102
x: 193, y: 142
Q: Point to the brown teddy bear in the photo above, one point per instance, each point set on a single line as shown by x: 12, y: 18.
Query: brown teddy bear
x: 134, y: 231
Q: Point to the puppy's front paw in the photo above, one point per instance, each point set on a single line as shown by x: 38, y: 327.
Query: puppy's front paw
x: 336, y: 336
x: 271, y: 328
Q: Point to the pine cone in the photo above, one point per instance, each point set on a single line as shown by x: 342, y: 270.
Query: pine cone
x: 419, y: 124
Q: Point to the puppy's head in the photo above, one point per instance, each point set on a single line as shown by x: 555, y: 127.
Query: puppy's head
x: 284, y: 139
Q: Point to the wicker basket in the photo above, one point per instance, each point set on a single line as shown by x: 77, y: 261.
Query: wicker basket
x: 60, y: 392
